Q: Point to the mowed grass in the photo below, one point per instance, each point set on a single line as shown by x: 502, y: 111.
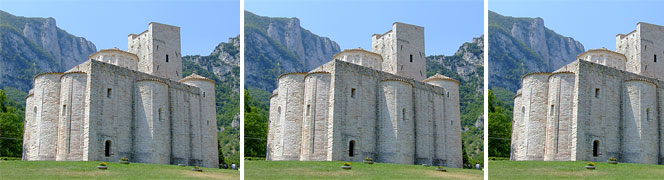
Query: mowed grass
x: 332, y: 170
x: 572, y: 170
x: 88, y: 170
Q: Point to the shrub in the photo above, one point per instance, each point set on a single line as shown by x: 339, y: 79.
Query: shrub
x: 124, y: 159
x: 368, y: 159
x: 440, y: 167
x: 196, y: 167
x: 103, y: 164
x: 612, y: 159
x: 346, y: 164
x: 591, y: 164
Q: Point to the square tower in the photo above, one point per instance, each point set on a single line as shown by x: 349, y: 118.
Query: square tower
x: 158, y: 51
x: 402, y: 49
x: 644, y: 49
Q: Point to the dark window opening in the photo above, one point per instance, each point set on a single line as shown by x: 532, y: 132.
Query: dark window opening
x: 166, y: 57
x: 159, y: 114
x: 308, y: 109
x: 448, y: 94
x: 411, y: 58
x: 596, y: 92
x: 648, y: 114
x: 551, y: 112
x: 107, y: 149
x: 403, y: 114
x: 352, y: 92
x: 64, y: 110
x: 108, y: 92
x: 351, y: 148
x: 655, y: 57
x: 203, y: 94
x: 595, y: 148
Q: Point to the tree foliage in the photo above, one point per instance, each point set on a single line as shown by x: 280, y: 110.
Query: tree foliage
x: 500, y: 127
x: 255, y: 126
x: 11, y: 127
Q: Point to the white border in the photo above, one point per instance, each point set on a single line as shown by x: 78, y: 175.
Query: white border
x: 486, y: 90
x: 242, y: 89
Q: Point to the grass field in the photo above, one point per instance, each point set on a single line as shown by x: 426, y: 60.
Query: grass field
x: 572, y: 170
x: 88, y: 170
x: 332, y: 170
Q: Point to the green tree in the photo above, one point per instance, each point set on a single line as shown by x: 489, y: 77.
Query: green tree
x: 11, y: 128
x: 255, y: 127
x: 500, y: 128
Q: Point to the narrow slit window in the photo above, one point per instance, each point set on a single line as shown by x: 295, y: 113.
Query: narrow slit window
x: 648, y: 114
x: 166, y: 57
x: 655, y: 57
x: 64, y: 110
x: 108, y: 92
x: 159, y: 114
x: 551, y: 111
x: 403, y: 114
x: 308, y: 109
x: 596, y: 92
x: 352, y: 92
x: 411, y: 58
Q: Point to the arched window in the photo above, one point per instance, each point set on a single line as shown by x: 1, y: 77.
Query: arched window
x: 595, y: 148
x: 107, y: 149
x: 351, y: 148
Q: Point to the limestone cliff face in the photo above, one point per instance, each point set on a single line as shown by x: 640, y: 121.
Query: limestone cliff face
x: 524, y: 45
x: 278, y: 45
x: 221, y: 62
x: 465, y: 65
x: 33, y: 45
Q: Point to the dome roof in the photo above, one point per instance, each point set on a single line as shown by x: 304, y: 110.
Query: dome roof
x: 195, y: 76
x: 438, y: 76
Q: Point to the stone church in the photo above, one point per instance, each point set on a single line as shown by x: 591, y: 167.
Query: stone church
x: 604, y: 104
x: 376, y: 104
x: 125, y: 104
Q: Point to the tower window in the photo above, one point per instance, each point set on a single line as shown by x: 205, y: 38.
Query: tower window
x: 308, y: 109
x: 352, y: 92
x: 655, y: 57
x: 552, y: 108
x: 596, y: 92
x: 108, y: 92
x: 166, y: 57
x: 159, y: 114
x: 403, y: 114
x: 411, y: 58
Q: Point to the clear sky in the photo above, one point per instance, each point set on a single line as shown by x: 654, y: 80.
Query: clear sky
x: 594, y: 23
x: 203, y: 23
x: 447, y: 23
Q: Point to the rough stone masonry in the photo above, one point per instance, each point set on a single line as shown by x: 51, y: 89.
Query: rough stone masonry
x: 125, y: 104
x: 374, y: 104
x: 605, y: 104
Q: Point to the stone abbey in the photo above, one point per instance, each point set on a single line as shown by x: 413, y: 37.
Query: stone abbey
x: 605, y: 104
x: 125, y: 104
x: 374, y: 104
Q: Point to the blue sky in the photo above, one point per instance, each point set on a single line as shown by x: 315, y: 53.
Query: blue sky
x: 447, y: 23
x: 594, y: 23
x: 203, y: 23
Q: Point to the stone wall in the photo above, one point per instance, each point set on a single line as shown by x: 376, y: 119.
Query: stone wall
x: 402, y: 49
x: 559, y: 116
x: 315, y: 119
x: 158, y: 51
x: 73, y: 90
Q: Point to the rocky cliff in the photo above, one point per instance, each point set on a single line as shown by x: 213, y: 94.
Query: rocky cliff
x: 29, y: 46
x: 278, y: 45
x: 524, y: 45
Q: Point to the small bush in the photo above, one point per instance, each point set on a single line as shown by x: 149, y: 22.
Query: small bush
x: 612, y: 159
x: 124, y: 159
x: 346, y: 164
x: 196, y: 167
x: 591, y: 164
x: 103, y: 164
x: 368, y: 159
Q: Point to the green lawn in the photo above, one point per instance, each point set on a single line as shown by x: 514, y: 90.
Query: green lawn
x: 332, y: 170
x: 572, y: 170
x: 88, y: 170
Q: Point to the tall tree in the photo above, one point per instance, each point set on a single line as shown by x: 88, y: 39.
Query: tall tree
x: 500, y: 128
